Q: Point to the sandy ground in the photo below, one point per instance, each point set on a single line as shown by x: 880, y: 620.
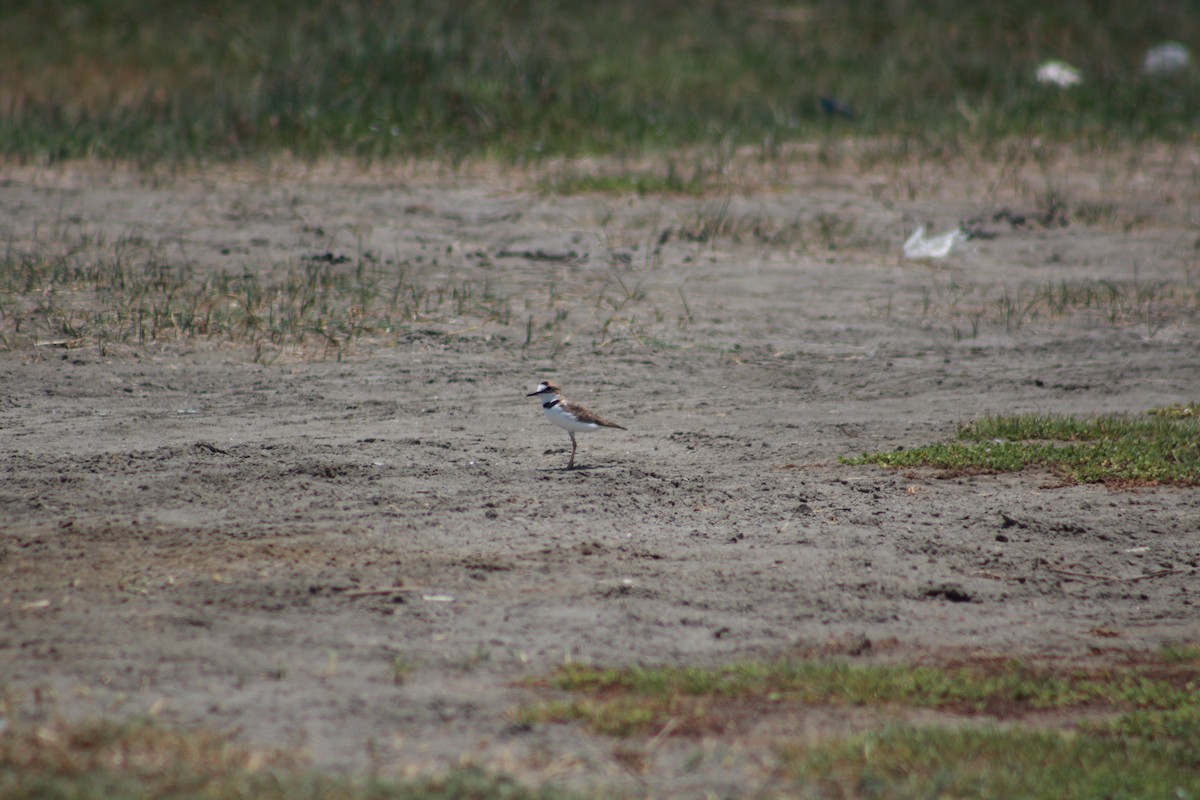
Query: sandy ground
x: 191, y: 533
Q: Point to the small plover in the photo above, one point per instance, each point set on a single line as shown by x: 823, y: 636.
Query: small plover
x: 571, y: 416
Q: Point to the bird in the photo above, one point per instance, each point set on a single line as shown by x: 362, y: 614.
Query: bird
x: 573, y: 417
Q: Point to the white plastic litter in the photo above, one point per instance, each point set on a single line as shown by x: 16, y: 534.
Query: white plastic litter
x: 921, y: 246
x: 1059, y: 73
x: 1165, y: 58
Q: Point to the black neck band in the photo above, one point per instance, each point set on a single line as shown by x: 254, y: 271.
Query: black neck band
x: 552, y: 403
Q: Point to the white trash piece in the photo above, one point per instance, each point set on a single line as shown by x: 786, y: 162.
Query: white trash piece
x: 920, y: 246
x: 1166, y: 58
x: 1059, y: 73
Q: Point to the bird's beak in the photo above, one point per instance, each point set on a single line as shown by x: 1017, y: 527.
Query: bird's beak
x: 533, y: 394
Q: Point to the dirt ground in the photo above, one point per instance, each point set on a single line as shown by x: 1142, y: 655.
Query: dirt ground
x: 194, y: 534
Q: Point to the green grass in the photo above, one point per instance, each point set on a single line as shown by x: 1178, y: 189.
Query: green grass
x: 1181, y: 654
x: 165, y: 80
x: 133, y: 760
x: 909, y: 762
x: 635, y: 700
x: 1132, y: 731
x: 1161, y: 448
x: 1178, y: 411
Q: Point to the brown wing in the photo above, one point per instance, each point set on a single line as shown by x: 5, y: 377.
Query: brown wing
x: 586, y: 415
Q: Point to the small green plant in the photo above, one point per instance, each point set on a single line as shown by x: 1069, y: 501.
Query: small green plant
x: 1161, y: 448
x: 402, y: 667
x: 478, y: 657
x: 1096, y: 213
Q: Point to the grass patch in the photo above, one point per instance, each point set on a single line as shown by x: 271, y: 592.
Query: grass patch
x: 1146, y: 745
x: 640, y: 700
x: 156, y: 81
x: 629, y: 182
x: 909, y: 762
x: 82, y: 290
x: 106, y: 760
x: 1150, y: 305
x: 1162, y: 448
x: 1181, y: 654
x: 131, y: 296
x: 819, y: 233
x: 1178, y: 411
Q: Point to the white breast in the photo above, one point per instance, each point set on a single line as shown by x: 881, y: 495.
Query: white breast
x: 565, y: 419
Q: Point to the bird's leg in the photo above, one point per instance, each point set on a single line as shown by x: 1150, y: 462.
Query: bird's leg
x: 571, y: 463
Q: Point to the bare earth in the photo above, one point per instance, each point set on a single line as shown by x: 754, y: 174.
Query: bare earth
x: 192, y: 533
